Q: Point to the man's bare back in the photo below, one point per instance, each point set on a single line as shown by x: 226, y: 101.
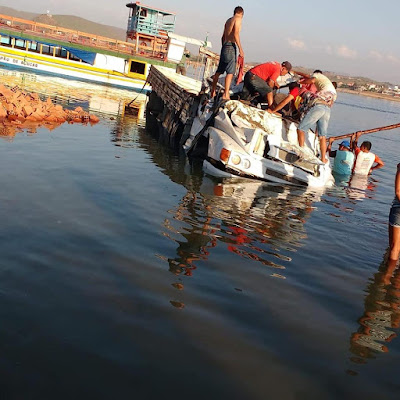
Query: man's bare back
x: 227, y: 61
x: 232, y: 30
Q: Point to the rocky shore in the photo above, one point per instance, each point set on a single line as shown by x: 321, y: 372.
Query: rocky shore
x: 19, y: 109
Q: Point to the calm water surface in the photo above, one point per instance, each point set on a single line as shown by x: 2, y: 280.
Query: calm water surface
x: 127, y: 273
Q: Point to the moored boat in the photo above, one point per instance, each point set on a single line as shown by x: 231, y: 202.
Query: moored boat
x: 68, y: 61
x: 50, y: 49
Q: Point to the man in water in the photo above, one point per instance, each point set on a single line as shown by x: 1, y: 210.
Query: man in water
x: 262, y: 78
x: 365, y: 159
x: 319, y: 112
x: 344, y: 158
x: 227, y: 61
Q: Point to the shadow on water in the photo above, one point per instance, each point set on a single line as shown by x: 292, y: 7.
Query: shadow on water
x: 381, y: 317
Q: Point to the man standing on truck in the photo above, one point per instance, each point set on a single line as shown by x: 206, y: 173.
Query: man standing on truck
x: 230, y: 43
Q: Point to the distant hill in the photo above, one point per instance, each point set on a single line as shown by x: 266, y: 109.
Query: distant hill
x: 15, y: 13
x: 344, y: 78
x: 70, y: 22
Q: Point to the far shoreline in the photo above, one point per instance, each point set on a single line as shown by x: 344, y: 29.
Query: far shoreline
x: 370, y: 94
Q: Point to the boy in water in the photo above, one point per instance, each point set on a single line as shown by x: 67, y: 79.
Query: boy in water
x: 230, y: 40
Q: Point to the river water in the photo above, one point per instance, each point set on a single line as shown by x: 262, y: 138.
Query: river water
x: 127, y: 273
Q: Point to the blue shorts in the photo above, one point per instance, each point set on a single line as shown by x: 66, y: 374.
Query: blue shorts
x: 320, y: 115
x: 394, y: 217
x: 227, y: 60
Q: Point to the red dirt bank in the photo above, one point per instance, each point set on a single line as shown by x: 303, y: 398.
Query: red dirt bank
x: 21, y: 110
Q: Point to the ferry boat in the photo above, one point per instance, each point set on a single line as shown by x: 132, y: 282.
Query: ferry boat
x: 54, y: 50
x: 46, y: 57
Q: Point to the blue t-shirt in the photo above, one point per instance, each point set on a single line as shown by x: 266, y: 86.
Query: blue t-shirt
x: 343, y: 163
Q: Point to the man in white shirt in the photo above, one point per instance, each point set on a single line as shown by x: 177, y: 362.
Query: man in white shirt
x: 320, y: 111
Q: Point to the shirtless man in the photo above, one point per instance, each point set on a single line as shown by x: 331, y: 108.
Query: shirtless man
x: 227, y: 62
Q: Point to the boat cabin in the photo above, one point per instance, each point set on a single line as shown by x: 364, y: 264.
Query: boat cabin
x: 148, y: 28
x: 149, y: 21
x: 44, y: 48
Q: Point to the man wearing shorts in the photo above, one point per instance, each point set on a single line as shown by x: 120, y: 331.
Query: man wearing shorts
x: 394, y: 221
x: 227, y: 61
x: 320, y: 111
x: 262, y: 78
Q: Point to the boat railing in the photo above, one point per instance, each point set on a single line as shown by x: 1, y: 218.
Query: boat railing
x: 157, y: 28
x: 146, y: 45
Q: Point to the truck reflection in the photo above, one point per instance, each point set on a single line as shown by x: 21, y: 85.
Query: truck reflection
x: 256, y: 221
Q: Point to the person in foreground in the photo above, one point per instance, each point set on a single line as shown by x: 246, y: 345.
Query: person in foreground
x: 365, y: 159
x: 230, y: 40
x: 394, y: 220
x: 319, y: 112
x: 344, y: 158
x: 262, y: 78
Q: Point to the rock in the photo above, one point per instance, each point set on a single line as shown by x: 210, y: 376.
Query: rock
x: 12, y: 117
x: 27, y: 110
x: 3, y: 112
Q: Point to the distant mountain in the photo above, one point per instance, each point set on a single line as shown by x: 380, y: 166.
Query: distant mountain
x: 70, y: 22
x: 15, y: 13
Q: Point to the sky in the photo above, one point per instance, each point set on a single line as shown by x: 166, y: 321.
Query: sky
x: 353, y: 37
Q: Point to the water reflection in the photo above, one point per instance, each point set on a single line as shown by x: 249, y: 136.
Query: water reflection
x: 354, y: 187
x: 256, y: 221
x: 361, y: 187
x: 381, y: 314
x: 100, y: 99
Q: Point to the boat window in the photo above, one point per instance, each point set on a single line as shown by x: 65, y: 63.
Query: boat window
x: 143, y: 13
x: 60, y: 52
x: 47, y: 49
x: 137, y: 67
x: 6, y: 40
x: 73, y: 57
x: 33, y: 46
x: 20, y: 43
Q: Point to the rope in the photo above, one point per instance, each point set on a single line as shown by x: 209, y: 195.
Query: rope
x: 140, y: 92
x: 382, y: 128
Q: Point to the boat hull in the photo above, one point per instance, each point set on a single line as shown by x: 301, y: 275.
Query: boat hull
x: 67, y: 68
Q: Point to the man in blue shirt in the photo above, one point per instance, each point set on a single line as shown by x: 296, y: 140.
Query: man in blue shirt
x: 344, y: 158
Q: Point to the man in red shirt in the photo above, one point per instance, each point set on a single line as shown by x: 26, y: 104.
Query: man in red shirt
x: 262, y: 78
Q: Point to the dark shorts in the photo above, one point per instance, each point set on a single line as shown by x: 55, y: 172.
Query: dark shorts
x: 227, y: 59
x: 394, y: 217
x: 254, y: 84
